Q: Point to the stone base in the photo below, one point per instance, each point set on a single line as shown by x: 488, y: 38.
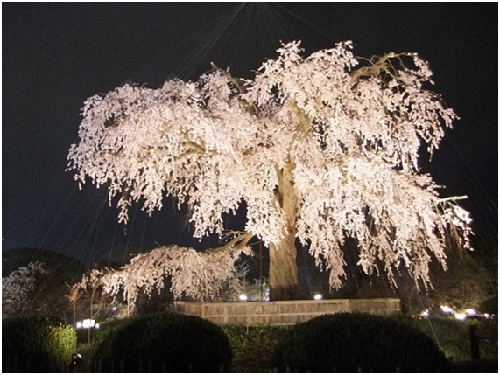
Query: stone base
x: 284, y: 312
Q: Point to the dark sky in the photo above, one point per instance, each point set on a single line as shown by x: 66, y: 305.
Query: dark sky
x: 57, y: 55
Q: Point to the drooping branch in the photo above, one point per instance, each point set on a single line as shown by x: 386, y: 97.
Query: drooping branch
x: 200, y: 275
x: 236, y: 243
x: 377, y: 65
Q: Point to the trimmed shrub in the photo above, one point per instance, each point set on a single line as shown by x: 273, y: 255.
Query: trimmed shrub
x: 36, y: 344
x: 451, y: 335
x: 347, y: 342
x: 162, y: 342
x: 253, y: 346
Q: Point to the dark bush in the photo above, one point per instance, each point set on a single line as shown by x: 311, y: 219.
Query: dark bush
x: 253, y: 346
x: 490, y: 305
x: 161, y: 342
x: 351, y: 342
x: 451, y: 335
x: 36, y: 344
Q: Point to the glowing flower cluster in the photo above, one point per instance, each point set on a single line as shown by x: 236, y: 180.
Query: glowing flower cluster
x: 352, y: 134
x: 18, y: 284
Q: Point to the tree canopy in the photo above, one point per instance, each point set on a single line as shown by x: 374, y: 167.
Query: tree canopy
x: 34, y: 282
x: 320, y: 148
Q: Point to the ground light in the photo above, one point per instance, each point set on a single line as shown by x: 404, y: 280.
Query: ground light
x: 318, y: 297
x: 243, y: 297
x: 87, y: 323
x: 460, y: 316
x: 457, y: 314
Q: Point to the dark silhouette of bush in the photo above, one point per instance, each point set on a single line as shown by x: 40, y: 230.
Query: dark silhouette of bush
x: 253, y: 346
x: 350, y: 342
x: 162, y: 342
x: 36, y: 344
x: 490, y: 305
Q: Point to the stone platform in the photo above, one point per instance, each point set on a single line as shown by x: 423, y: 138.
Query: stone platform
x: 284, y: 312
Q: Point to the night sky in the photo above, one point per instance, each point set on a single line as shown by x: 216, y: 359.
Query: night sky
x: 57, y: 55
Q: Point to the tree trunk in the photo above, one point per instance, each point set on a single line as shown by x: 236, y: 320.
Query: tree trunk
x: 283, y: 273
x: 283, y: 270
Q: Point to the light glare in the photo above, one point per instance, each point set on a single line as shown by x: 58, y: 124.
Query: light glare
x: 460, y: 316
x: 447, y: 309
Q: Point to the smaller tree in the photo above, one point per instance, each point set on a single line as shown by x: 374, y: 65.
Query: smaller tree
x: 73, y: 296
x: 36, y: 282
x: 19, y: 286
x: 464, y: 285
x: 91, y: 289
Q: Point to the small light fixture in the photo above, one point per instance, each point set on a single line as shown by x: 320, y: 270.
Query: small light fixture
x: 460, y: 316
x: 447, y: 309
x: 318, y: 297
x: 470, y: 312
x: 88, y: 323
x: 243, y: 297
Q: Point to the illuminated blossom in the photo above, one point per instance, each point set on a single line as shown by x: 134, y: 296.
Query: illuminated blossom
x: 350, y: 134
x: 18, y: 284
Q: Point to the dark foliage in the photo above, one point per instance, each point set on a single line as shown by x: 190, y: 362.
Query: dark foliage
x: 48, y: 296
x: 36, y: 344
x: 452, y: 335
x: 490, y: 305
x: 348, y: 342
x: 21, y: 257
x: 164, y: 342
x: 253, y: 346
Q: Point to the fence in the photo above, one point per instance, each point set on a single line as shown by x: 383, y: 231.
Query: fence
x: 15, y: 364
x: 150, y: 366
x: 284, y: 312
x: 141, y: 366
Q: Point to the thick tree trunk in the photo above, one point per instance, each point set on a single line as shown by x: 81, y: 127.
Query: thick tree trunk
x: 283, y: 273
x: 283, y: 270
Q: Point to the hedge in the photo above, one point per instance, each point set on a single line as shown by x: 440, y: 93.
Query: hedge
x: 36, y: 344
x: 164, y: 342
x: 253, y: 346
x: 351, y: 342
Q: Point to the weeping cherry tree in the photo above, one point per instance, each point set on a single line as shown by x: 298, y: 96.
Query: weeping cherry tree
x: 318, y: 149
